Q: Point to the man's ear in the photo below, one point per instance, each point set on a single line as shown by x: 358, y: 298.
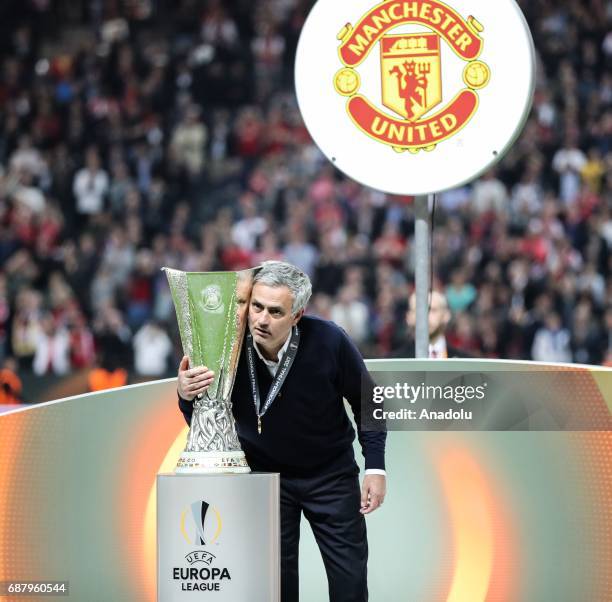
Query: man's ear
x: 297, y: 317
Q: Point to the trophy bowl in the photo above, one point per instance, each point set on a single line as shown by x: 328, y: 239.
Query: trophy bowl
x: 211, y: 309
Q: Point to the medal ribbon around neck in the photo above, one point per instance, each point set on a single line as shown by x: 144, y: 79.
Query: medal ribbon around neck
x: 281, y: 374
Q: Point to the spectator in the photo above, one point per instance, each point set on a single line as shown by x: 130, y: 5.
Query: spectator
x: 439, y: 318
x: 569, y: 162
x: 594, y: 170
x: 113, y: 340
x: 140, y: 290
x: 82, y: 347
x: 152, y: 350
x: 351, y: 314
x: 27, y: 326
x: 90, y: 185
x: 530, y: 238
x: 52, y: 349
x: 268, y: 249
x: 460, y: 294
x: 189, y: 142
x: 251, y: 226
x: 298, y: 251
x: 28, y: 160
x: 463, y: 336
x: 586, y: 342
x: 490, y: 195
x: 552, y: 341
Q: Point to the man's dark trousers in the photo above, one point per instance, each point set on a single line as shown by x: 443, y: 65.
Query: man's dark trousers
x: 330, y: 502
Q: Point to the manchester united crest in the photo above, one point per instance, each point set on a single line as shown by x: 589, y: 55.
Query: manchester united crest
x: 410, y: 114
x: 415, y: 96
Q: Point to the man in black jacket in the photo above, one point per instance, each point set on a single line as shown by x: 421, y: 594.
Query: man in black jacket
x: 301, y: 428
x: 438, y: 319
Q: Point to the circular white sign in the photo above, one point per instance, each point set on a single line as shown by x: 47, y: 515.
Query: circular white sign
x: 415, y: 96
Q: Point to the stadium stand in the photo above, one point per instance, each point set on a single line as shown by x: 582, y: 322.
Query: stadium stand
x: 137, y: 134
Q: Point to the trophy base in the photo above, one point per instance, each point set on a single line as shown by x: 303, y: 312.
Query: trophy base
x: 210, y: 462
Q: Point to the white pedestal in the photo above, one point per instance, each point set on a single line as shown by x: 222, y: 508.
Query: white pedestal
x: 218, y: 537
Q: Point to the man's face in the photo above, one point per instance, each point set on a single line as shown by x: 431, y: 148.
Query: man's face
x: 439, y: 315
x: 270, y: 317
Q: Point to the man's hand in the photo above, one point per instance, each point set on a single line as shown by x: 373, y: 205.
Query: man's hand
x: 193, y: 382
x: 373, y: 492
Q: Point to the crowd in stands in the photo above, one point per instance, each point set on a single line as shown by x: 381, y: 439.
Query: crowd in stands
x: 136, y: 135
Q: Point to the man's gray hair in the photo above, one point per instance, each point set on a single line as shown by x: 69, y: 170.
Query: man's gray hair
x: 280, y: 273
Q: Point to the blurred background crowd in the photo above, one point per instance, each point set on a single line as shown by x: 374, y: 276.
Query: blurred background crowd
x: 138, y: 134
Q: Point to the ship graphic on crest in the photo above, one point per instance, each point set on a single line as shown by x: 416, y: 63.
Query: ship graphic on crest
x: 411, y: 73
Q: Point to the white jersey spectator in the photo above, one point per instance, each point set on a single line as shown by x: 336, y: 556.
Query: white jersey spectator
x: 489, y: 194
x: 351, y: 314
x: 189, y: 142
x: 569, y: 162
x: 552, y: 342
x: 152, y: 348
x: 52, y: 354
x: 90, y: 185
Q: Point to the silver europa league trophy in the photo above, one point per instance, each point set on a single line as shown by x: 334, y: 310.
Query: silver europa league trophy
x: 211, y: 308
x: 216, y: 533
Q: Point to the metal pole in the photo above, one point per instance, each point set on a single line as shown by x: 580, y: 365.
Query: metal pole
x: 421, y: 273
